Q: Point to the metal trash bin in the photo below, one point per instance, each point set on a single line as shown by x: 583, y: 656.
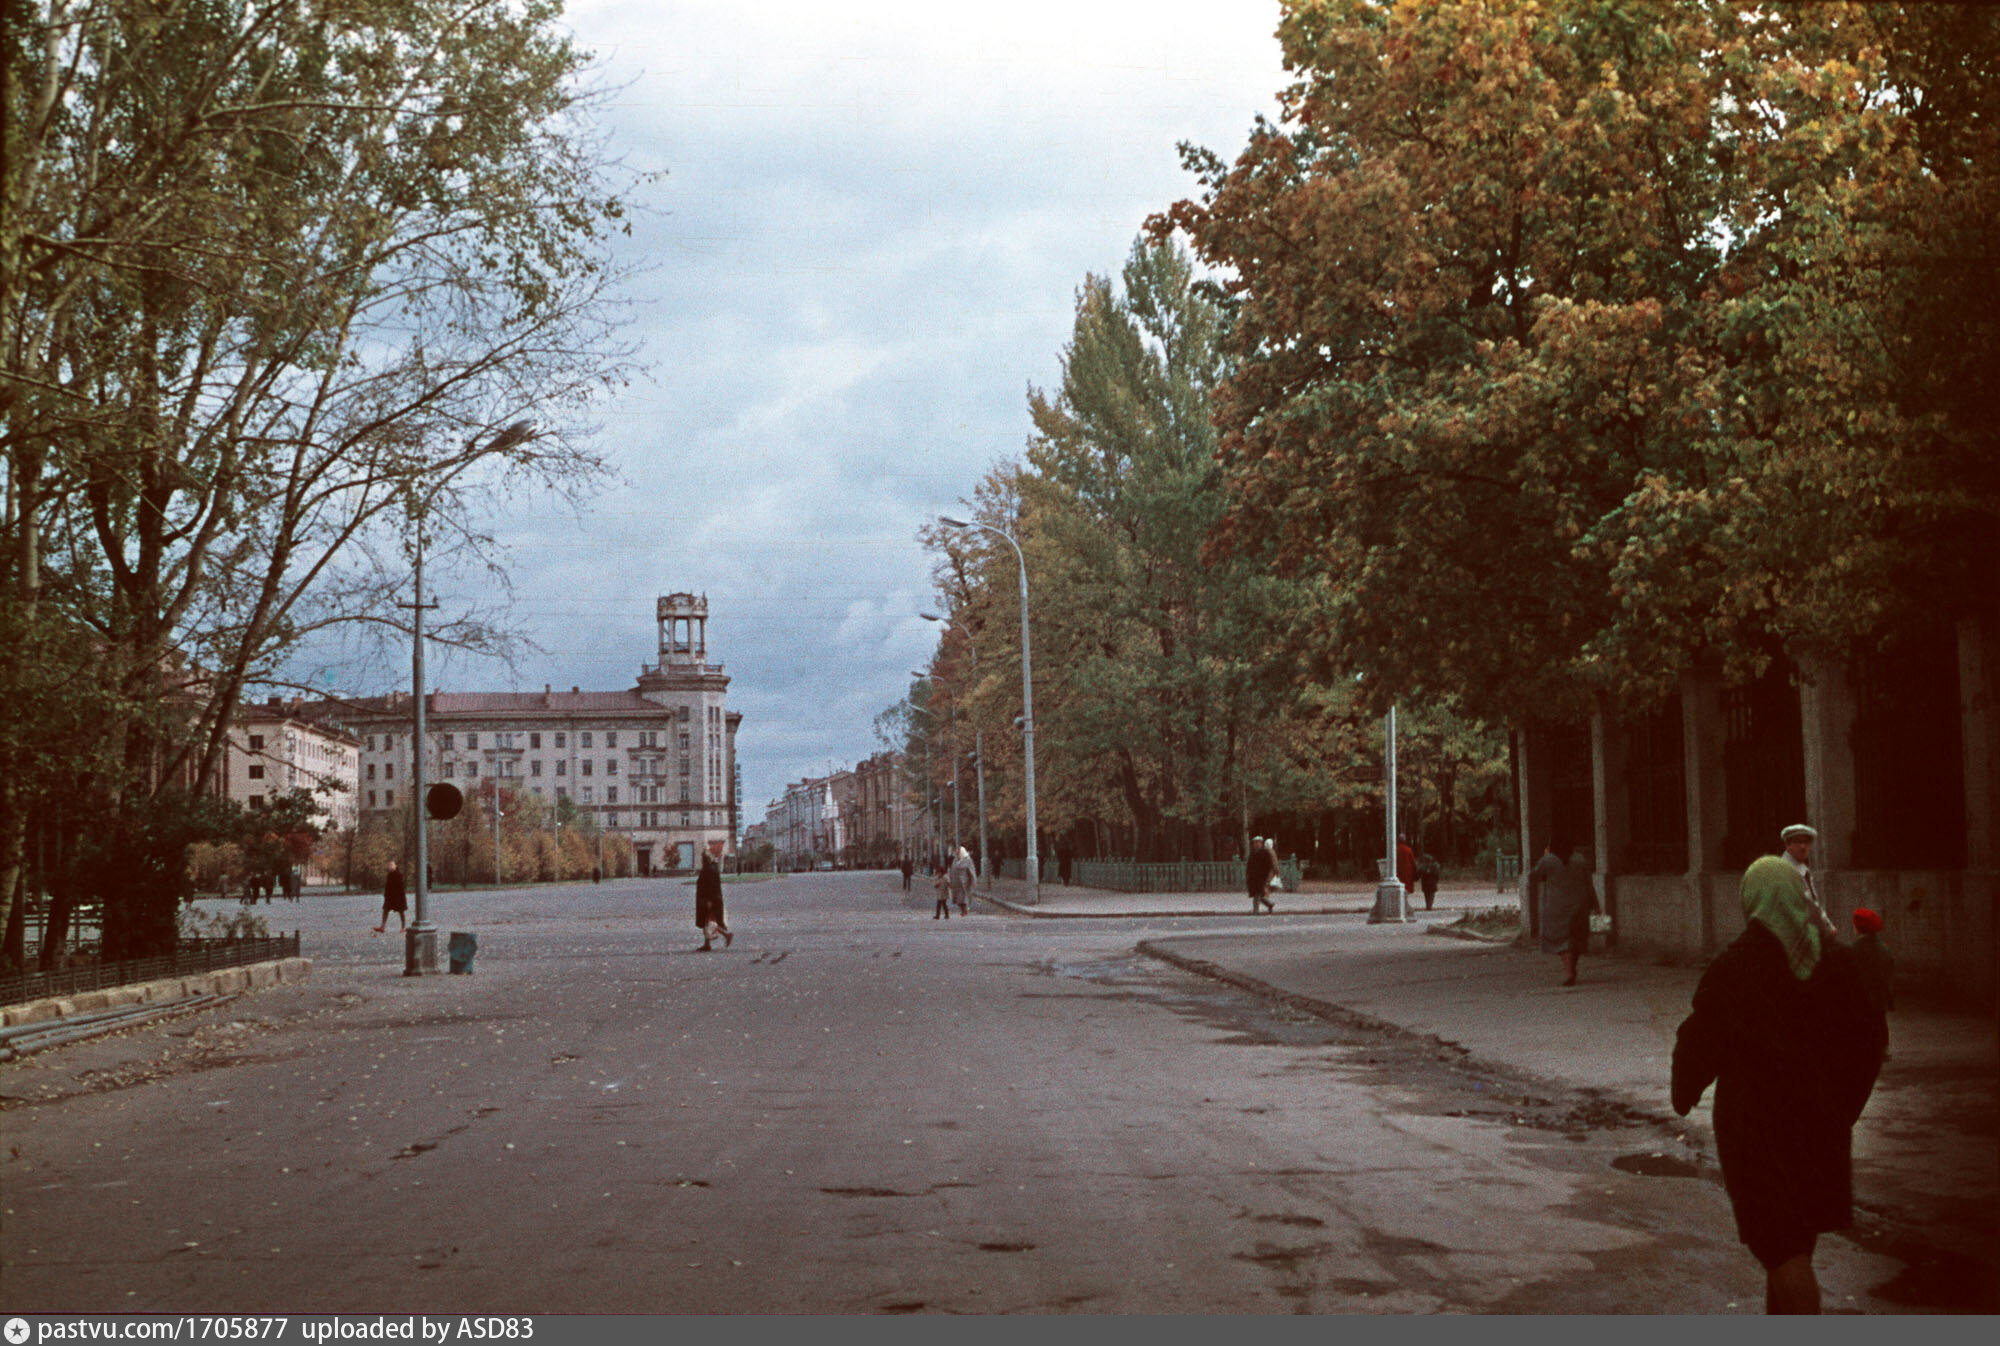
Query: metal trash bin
x: 464, y: 944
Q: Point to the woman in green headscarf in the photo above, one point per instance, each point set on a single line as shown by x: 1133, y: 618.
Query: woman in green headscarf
x: 1784, y: 1028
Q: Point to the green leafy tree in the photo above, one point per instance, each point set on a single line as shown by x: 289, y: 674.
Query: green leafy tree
x: 273, y: 277
x: 1571, y: 341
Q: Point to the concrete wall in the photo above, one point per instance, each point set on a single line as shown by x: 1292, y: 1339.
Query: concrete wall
x: 1939, y: 923
x: 1655, y: 914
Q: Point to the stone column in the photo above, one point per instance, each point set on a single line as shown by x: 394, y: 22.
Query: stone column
x: 1702, y: 738
x: 1981, y: 737
x: 1610, y: 807
x: 1536, y: 798
x: 1826, y: 723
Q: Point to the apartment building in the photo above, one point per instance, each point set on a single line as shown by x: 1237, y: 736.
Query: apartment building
x: 655, y: 762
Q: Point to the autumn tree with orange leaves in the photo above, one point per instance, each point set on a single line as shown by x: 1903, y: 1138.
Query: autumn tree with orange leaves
x: 1573, y: 341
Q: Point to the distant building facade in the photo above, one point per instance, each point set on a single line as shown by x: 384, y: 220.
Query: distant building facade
x: 857, y: 818
x: 803, y: 824
x: 655, y: 763
x: 273, y: 748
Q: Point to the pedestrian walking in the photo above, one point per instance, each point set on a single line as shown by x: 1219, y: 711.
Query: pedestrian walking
x: 1259, y: 868
x: 708, y: 905
x: 1406, y: 866
x: 1428, y: 875
x: 1065, y: 861
x: 941, y: 883
x: 392, y: 899
x: 1798, y: 840
x: 960, y: 875
x: 1562, y: 877
x: 1783, y: 1027
x: 908, y: 866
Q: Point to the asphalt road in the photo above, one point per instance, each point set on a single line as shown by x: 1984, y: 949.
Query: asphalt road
x: 856, y: 1109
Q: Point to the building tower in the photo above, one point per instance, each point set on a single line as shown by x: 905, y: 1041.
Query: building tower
x: 683, y: 629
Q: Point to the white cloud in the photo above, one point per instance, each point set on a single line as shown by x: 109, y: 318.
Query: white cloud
x: 866, y: 246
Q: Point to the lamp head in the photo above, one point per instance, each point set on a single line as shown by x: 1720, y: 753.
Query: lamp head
x: 950, y: 522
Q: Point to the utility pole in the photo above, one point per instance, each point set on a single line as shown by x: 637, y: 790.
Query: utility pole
x: 420, y: 939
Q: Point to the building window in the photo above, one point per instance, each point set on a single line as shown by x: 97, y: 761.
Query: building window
x: 684, y: 740
x: 371, y: 771
x: 471, y: 770
x: 534, y: 740
x: 472, y: 740
x: 535, y: 767
x: 388, y: 771
x: 559, y: 740
x: 562, y: 792
x: 256, y: 801
x: 684, y: 792
x: 587, y: 796
x: 449, y: 767
x: 388, y: 799
x: 506, y: 767
x: 256, y: 743
x: 586, y: 766
x: 371, y: 799
x: 371, y: 743
x: 562, y: 767
x: 687, y: 712
x: 611, y: 766
x: 611, y: 794
x: 583, y: 739
x: 256, y: 771
x: 611, y: 820
x: 611, y: 738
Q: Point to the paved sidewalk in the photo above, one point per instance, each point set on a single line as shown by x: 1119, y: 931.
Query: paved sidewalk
x: 1926, y: 1152
x: 1317, y: 899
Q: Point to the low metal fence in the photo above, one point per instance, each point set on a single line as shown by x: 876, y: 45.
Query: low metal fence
x: 1506, y: 872
x: 1172, y: 876
x: 191, y: 955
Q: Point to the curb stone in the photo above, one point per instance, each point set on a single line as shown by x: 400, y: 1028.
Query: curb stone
x: 250, y: 976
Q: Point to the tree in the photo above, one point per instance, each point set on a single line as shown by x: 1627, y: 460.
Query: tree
x: 1574, y: 341
x: 273, y: 276
x: 1166, y: 718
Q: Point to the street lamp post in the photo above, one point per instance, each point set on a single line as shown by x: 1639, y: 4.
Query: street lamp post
x: 979, y: 767
x: 420, y: 939
x: 931, y: 811
x: 1391, y: 902
x: 1033, y: 866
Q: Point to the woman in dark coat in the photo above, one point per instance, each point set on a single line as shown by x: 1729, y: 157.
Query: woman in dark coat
x: 708, y: 905
x: 1258, y: 867
x: 1784, y: 1028
x: 393, y: 899
x: 1563, y: 876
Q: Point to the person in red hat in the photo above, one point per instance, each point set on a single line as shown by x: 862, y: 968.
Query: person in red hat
x: 1878, y: 965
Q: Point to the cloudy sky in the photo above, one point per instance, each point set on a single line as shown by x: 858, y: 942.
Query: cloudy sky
x: 864, y: 249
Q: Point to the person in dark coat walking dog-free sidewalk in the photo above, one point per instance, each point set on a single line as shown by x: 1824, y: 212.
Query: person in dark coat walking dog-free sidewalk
x: 1784, y: 1028
x: 708, y: 905
x: 1258, y: 868
x: 393, y: 899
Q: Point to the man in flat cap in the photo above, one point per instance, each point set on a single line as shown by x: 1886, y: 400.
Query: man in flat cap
x: 1798, y: 839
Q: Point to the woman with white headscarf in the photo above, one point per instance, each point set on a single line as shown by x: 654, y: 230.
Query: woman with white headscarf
x: 1784, y: 1028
